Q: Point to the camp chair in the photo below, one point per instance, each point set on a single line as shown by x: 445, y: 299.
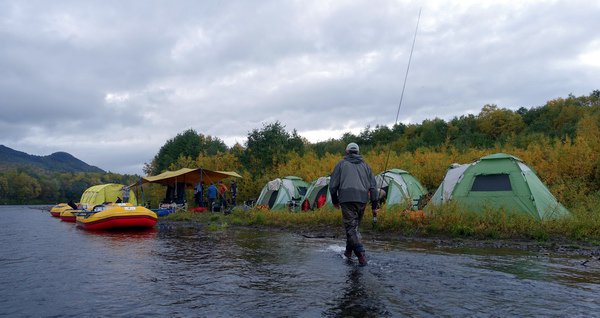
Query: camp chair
x: 174, y: 207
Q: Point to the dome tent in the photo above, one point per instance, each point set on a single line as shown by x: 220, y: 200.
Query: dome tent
x: 498, y: 181
x: 101, y: 193
x: 317, y: 195
x: 400, y: 187
x: 279, y: 193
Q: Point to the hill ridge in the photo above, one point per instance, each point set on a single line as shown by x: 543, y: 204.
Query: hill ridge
x: 59, y: 161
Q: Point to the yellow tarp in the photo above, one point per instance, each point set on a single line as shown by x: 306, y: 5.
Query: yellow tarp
x: 189, y: 176
x: 101, y: 193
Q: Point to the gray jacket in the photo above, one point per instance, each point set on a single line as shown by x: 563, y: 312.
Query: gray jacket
x: 352, y: 181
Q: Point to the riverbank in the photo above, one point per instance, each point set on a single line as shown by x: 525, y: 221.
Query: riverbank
x: 501, y: 232
x: 406, y: 227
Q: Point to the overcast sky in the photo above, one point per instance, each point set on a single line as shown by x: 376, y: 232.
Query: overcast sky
x: 111, y: 81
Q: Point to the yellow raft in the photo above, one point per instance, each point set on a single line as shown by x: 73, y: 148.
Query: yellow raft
x: 116, y: 216
x: 57, y: 209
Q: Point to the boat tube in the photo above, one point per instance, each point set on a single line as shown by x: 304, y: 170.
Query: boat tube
x: 116, y: 216
x: 68, y: 215
x: 57, y: 209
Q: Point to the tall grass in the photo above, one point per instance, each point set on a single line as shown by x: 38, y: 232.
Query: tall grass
x: 448, y: 220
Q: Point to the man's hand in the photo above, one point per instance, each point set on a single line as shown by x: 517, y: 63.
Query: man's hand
x: 337, y: 206
x: 375, y: 212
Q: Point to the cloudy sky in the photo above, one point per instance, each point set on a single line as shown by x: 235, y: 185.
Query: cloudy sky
x: 111, y: 81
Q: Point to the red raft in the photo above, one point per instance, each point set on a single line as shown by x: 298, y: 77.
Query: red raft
x: 117, y: 216
x: 68, y: 215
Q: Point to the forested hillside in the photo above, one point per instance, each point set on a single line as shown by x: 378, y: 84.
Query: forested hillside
x: 58, y: 161
x: 58, y: 177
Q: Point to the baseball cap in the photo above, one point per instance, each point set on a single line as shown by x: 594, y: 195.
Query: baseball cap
x: 352, y: 147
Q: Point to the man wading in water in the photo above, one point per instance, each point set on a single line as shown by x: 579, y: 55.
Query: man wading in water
x: 352, y: 184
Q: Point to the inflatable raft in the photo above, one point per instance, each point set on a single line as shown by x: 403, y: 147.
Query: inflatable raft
x: 57, y: 209
x: 68, y: 215
x: 116, y: 216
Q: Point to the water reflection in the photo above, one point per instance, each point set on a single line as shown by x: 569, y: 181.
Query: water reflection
x: 125, y: 235
x: 359, y: 299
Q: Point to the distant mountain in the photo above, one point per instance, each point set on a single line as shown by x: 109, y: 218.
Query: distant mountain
x: 58, y: 161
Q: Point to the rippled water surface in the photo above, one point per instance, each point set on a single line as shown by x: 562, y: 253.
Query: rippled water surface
x: 52, y: 268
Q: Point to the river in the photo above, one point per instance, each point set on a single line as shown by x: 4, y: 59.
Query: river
x: 50, y: 268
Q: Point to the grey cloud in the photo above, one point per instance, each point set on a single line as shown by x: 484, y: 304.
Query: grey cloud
x: 71, y: 71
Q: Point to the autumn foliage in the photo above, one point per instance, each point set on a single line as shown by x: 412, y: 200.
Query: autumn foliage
x: 560, y: 141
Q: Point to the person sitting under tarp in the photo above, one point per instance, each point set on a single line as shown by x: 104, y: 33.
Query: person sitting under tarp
x: 180, y: 194
x: 169, y: 195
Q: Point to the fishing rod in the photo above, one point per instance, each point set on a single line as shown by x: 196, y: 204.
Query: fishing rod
x: 412, y: 48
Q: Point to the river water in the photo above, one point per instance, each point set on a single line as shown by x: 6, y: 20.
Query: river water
x: 51, y: 268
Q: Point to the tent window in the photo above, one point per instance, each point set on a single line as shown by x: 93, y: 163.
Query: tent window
x: 302, y: 190
x: 492, y: 182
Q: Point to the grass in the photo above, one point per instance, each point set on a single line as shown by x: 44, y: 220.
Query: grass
x: 449, y: 220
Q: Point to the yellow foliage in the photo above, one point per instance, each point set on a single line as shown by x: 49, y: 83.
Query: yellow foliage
x: 220, y: 162
x: 499, y: 122
x: 570, y: 168
x: 308, y: 167
x: 589, y: 130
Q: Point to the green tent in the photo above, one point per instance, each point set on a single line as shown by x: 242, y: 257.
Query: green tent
x: 101, y: 193
x: 282, y: 193
x: 398, y: 187
x: 317, y: 189
x: 499, y: 181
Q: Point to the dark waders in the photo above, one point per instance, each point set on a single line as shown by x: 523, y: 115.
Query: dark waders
x: 352, y: 214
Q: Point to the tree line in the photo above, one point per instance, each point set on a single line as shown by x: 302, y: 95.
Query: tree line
x: 553, y: 138
x: 27, y: 185
x: 544, y: 136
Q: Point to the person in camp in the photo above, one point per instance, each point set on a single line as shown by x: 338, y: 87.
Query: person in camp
x: 352, y: 185
x: 211, y: 195
x: 233, y: 189
x: 198, y: 193
x: 223, y: 195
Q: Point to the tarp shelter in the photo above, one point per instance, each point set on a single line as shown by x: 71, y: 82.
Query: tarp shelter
x: 499, y: 181
x: 101, y: 193
x: 282, y: 193
x: 176, y: 181
x: 400, y: 188
x: 317, y: 195
x: 189, y: 176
